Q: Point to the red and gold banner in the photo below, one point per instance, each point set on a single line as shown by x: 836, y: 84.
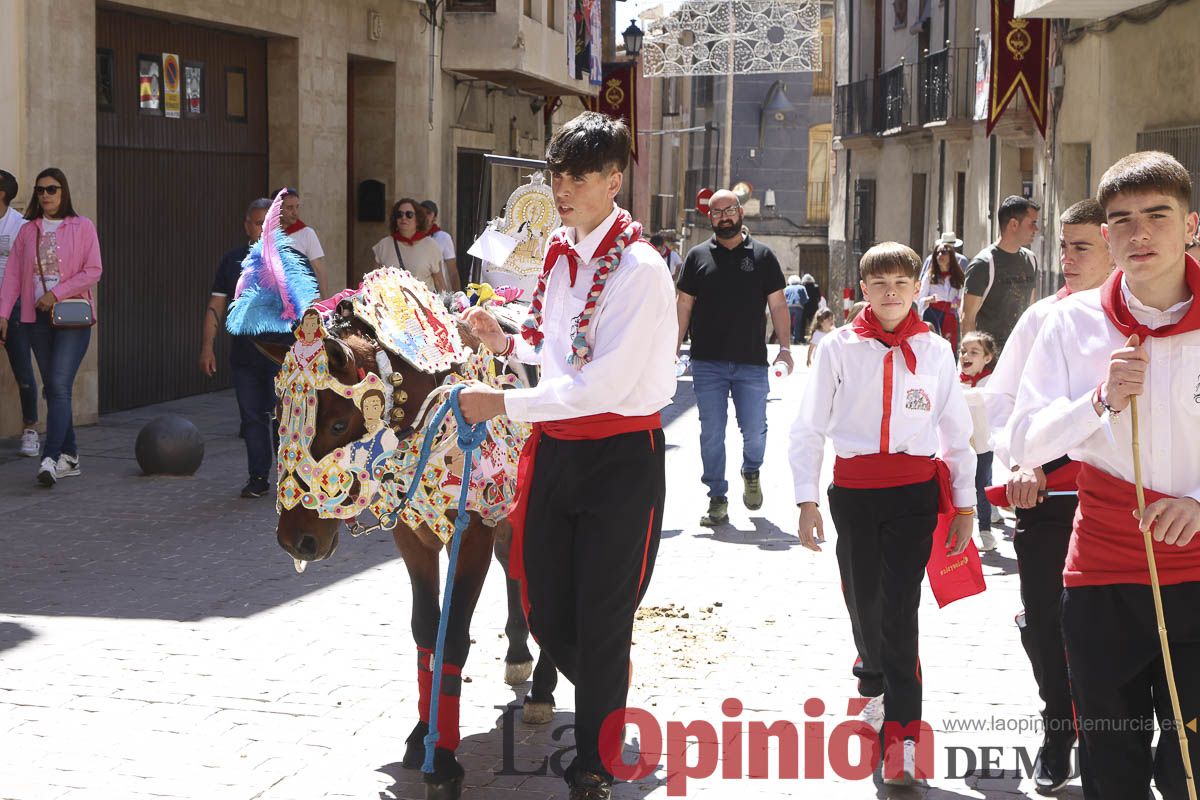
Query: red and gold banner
x: 1020, y: 61
x: 618, y: 96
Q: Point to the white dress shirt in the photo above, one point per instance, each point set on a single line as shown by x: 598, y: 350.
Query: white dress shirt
x: 931, y: 292
x: 982, y: 440
x: 843, y: 402
x: 631, y: 338
x: 1054, y: 414
x: 1000, y: 394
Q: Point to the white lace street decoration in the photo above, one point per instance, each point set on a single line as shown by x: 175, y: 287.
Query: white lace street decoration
x: 719, y: 37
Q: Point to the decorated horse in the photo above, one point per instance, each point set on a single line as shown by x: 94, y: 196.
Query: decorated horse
x: 359, y: 436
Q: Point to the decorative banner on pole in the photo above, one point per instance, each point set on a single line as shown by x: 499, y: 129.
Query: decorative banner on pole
x: 618, y: 97
x: 171, y: 102
x: 583, y: 40
x: 1020, y: 61
x: 723, y: 37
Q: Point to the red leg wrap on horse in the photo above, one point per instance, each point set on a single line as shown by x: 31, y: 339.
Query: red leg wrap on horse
x: 424, y: 682
x: 448, y: 734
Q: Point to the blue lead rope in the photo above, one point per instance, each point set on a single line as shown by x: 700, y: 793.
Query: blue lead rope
x: 470, y: 437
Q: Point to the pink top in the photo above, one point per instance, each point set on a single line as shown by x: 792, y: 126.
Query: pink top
x: 78, y: 265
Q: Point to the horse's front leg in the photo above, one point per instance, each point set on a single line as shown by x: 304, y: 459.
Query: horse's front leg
x: 518, y: 661
x: 474, y: 558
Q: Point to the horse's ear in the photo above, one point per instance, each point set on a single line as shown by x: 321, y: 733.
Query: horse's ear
x: 275, y: 351
x: 339, y: 355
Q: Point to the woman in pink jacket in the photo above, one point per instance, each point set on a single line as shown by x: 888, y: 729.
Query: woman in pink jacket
x: 54, y: 257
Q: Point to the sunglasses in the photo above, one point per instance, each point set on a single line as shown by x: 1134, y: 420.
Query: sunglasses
x: 50, y: 190
x: 717, y: 213
x: 405, y: 214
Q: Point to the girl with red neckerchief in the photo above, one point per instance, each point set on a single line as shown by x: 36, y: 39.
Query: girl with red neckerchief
x: 976, y: 360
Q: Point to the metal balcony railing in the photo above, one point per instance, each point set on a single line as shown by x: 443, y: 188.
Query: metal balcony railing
x: 947, y: 85
x: 897, y: 109
x: 854, y: 108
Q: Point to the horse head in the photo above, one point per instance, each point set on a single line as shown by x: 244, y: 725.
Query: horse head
x: 310, y: 533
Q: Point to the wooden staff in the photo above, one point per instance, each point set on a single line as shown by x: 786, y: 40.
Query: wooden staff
x: 1156, y: 590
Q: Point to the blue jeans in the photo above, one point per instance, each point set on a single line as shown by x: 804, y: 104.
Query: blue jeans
x: 797, y: 315
x: 20, y: 357
x: 59, y: 352
x: 983, y: 479
x: 255, y: 390
x: 714, y: 382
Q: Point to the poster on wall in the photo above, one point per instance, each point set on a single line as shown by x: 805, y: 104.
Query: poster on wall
x: 171, y: 103
x: 193, y: 89
x: 149, y: 87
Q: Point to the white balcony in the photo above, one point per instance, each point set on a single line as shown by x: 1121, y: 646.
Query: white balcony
x: 1074, y: 9
x: 521, y: 44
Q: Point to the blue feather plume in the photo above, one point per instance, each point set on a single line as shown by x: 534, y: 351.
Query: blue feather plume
x: 259, y: 307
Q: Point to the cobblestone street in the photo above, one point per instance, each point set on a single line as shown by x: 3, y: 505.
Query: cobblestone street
x: 155, y: 642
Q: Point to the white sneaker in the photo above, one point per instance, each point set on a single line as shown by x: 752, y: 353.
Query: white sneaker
x: 29, y: 443
x: 67, y: 466
x: 997, y: 517
x: 48, y: 472
x: 906, y: 760
x: 872, y: 713
x: 987, y: 542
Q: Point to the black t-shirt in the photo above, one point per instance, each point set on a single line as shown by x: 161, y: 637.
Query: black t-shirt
x: 242, y: 352
x: 1015, y: 280
x: 729, y: 321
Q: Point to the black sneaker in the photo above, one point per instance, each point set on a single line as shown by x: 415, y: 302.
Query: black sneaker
x: 590, y: 786
x: 1052, y: 770
x: 256, y: 487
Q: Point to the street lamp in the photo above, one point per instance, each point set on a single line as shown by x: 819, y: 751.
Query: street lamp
x: 633, y: 40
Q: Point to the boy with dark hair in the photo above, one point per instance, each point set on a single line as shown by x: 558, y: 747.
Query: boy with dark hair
x: 1137, y: 336
x: 592, y: 479
x: 1001, y: 280
x: 887, y: 484
x: 1044, y: 522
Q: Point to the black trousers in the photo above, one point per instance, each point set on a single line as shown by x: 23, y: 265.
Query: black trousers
x: 1041, y: 539
x: 591, y: 538
x: 1119, y: 685
x: 883, y: 543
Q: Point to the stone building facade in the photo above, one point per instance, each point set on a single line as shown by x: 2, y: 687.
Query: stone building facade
x: 345, y: 92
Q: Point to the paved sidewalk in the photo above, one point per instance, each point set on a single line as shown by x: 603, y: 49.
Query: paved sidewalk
x: 155, y: 642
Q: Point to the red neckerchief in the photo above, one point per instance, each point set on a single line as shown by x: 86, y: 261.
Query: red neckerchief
x: 405, y: 240
x: 1118, y: 313
x: 1063, y: 293
x: 974, y: 379
x: 561, y: 246
x: 432, y: 230
x: 298, y: 225
x: 867, y: 326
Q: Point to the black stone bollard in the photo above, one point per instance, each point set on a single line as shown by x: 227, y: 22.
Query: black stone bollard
x: 169, y: 445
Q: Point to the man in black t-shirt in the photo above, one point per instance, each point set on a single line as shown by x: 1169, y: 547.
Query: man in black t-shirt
x: 1001, y: 281
x: 724, y: 288
x: 253, y: 373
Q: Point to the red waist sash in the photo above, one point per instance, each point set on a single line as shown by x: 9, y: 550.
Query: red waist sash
x: 950, y: 578
x: 596, y: 426
x: 949, y: 320
x: 887, y: 470
x: 1107, y: 545
x: 1063, y: 479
